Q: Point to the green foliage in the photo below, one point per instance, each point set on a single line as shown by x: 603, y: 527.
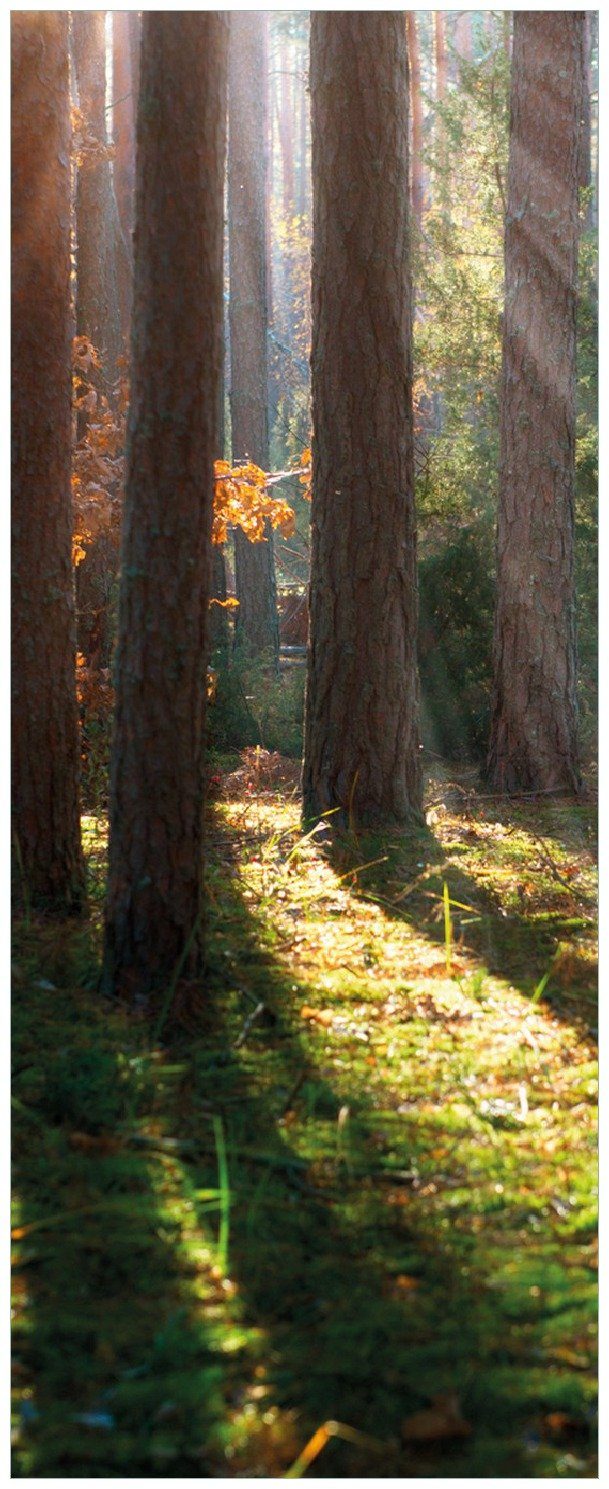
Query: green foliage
x: 253, y: 706
x: 456, y: 596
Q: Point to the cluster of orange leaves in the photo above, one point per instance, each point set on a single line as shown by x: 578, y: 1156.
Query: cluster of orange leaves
x: 242, y: 499
x: 241, y: 492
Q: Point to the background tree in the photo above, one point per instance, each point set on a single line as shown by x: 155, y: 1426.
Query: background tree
x: 533, y: 742
x: 361, y: 738
x: 416, y: 108
x: 155, y: 868
x: 256, y: 620
x: 96, y: 224
x: 45, y: 748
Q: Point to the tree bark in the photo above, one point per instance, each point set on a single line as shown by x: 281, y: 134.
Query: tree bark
x: 97, y: 296
x: 123, y: 136
x: 440, y: 54
x: 45, y: 746
x: 361, y: 734
x: 414, y: 59
x: 533, y: 736
x: 153, y: 911
x: 257, y: 629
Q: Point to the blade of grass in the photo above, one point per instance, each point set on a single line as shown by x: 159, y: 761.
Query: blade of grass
x: 447, y: 928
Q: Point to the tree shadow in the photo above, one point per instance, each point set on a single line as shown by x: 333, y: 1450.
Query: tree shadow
x: 366, y: 1317
x: 116, y: 1372
x: 518, y: 945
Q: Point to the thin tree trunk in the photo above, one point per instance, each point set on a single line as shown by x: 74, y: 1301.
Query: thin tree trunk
x: 440, y: 54
x: 153, y: 912
x: 257, y: 628
x: 361, y: 734
x: 45, y: 746
x: 533, y: 736
x: 286, y: 134
x: 97, y: 297
x: 463, y: 35
x: 414, y: 59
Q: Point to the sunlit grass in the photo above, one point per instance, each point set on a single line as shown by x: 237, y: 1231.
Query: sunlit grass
x: 368, y: 1180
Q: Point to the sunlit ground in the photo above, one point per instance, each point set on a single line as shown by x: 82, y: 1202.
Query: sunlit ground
x: 358, y: 1185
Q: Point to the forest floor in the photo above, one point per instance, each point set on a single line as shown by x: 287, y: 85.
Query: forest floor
x: 340, y: 1219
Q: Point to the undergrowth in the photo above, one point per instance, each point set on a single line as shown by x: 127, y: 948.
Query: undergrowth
x: 359, y: 1186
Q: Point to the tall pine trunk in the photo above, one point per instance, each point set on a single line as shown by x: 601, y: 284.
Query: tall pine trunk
x: 153, y: 911
x: 361, y: 735
x: 45, y: 748
x: 257, y: 628
x: 97, y: 295
x: 533, y: 735
x: 123, y: 136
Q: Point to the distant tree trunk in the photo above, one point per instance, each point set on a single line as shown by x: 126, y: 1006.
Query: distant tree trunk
x: 97, y: 298
x: 414, y: 59
x: 463, y: 35
x: 585, y: 154
x: 286, y: 131
x: 361, y: 733
x: 123, y: 135
x: 440, y: 54
x: 257, y: 626
x: 123, y: 120
x: 533, y: 737
x: 45, y: 746
x: 302, y: 161
x: 153, y: 912
x: 218, y: 631
x: 135, y: 42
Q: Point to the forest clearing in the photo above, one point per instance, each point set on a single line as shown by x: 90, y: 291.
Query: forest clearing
x: 304, y: 709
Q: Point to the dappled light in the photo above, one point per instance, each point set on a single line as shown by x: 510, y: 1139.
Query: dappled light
x: 304, y: 755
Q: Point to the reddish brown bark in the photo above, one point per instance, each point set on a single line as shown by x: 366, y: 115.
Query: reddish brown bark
x: 153, y: 912
x: 534, y: 736
x: 257, y: 628
x: 123, y: 120
x: 97, y: 294
x: 361, y: 735
x: 416, y: 171
x: 45, y: 748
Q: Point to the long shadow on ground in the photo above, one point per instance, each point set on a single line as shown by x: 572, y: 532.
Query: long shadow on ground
x: 368, y: 1315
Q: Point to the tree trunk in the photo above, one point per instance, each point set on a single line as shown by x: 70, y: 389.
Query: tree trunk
x: 463, y: 36
x: 153, y: 911
x: 45, y: 747
x: 533, y: 736
x: 361, y: 735
x: 440, y: 54
x: 414, y: 59
x: 257, y: 629
x: 123, y: 136
x: 97, y: 298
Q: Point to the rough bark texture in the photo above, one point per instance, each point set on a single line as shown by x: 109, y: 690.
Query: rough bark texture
x: 416, y: 106
x: 155, y: 874
x: 361, y: 736
x: 257, y: 628
x: 123, y: 166
x: 97, y: 296
x: 533, y: 735
x: 44, y: 720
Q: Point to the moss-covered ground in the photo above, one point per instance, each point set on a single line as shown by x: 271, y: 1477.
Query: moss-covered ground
x: 353, y: 1181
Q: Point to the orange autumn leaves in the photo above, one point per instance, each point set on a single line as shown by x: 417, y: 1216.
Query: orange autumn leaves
x: 241, y: 492
x: 242, y: 499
